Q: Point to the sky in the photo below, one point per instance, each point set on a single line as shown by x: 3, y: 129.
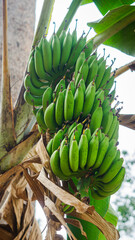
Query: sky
x: 125, y: 85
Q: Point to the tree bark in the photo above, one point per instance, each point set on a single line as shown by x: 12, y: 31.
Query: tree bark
x: 21, y: 22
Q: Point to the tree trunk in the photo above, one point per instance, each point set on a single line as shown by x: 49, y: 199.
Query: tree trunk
x: 21, y: 22
x: 17, y: 212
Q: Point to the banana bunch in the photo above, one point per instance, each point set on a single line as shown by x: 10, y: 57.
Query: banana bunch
x: 50, y: 61
x: 76, y: 152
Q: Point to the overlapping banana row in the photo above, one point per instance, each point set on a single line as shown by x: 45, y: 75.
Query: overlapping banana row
x: 75, y: 152
x: 50, y: 61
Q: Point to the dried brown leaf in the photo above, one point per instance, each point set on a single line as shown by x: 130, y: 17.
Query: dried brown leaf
x: 77, y: 224
x: 62, y: 194
x: 35, y: 232
x: 5, y: 233
x: 127, y: 120
x: 57, y: 214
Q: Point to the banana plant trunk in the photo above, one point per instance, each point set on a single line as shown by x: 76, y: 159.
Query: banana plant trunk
x: 14, y: 207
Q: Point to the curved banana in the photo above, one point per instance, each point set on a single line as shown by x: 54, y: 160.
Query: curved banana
x: 69, y: 105
x: 34, y: 91
x: 49, y: 117
x: 56, y: 52
x: 74, y: 156
x: 47, y: 55
x: 40, y: 118
x: 83, y: 151
x: 92, y: 151
x: 32, y: 100
x: 66, y: 49
x: 59, y: 108
x: 47, y: 98
x: 49, y: 147
x: 64, y: 161
x: 78, y: 102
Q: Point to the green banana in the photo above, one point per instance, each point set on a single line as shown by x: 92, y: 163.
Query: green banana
x: 89, y: 99
x: 68, y: 105
x: 96, y: 195
x: 61, y: 85
x: 79, y: 62
x: 47, y: 98
x: 87, y: 132
x: 64, y: 161
x: 58, y: 137
x: 49, y: 147
x: 83, y: 151
x: 82, y: 84
x: 47, y: 55
x: 39, y: 67
x: 96, y: 119
x: 109, y: 85
x: 62, y: 37
x: 40, y: 118
x: 49, y: 116
x: 66, y: 49
x: 83, y: 72
x: 107, y: 121
x: 74, y: 156
x: 99, y: 98
x: 55, y: 165
x: 93, y: 69
x: 76, y: 51
x: 56, y: 52
x: 100, y: 73
x: 71, y: 127
x: 92, y: 58
x: 78, y: 102
x: 108, y: 159
x: 59, y: 108
x: 72, y: 86
x: 74, y: 36
x: 113, y: 126
x: 34, y: 78
x: 103, y: 146
x: 32, y: 100
x: 105, y: 78
x: 88, y: 48
x: 116, y: 181
x: 92, y: 151
x: 34, y: 91
x: 106, y: 194
x: 76, y: 133
x: 112, y: 171
x: 115, y: 134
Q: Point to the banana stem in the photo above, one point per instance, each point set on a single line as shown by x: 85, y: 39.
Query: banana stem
x: 7, y: 133
x: 124, y: 68
x: 70, y: 14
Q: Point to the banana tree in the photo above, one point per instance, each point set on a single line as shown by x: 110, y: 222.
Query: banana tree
x: 24, y: 158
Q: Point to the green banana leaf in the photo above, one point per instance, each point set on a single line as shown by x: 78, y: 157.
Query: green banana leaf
x: 116, y: 29
x: 104, y: 5
x: 111, y: 216
x: 101, y: 206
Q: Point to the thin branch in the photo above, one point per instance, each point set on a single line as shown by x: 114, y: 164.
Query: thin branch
x: 127, y: 120
x: 7, y: 133
x: 126, y: 67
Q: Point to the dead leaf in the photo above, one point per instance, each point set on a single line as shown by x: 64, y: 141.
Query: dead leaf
x: 77, y: 224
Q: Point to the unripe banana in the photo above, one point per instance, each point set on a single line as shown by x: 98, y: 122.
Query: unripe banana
x: 49, y: 117
x: 116, y: 181
x: 32, y: 100
x: 76, y: 133
x: 56, y: 52
x: 57, y: 139
x: 106, y: 106
x: 83, y: 72
x: 72, y: 86
x: 47, y: 55
x: 39, y: 67
x: 59, y: 109
x: 34, y: 78
x: 109, y: 85
x: 96, y: 119
x: 103, y: 146
x: 106, y: 194
x: 64, y: 161
x: 55, y: 165
x: 99, y: 98
x: 76, y: 51
x: 96, y: 195
x: 62, y: 37
x: 89, y: 99
x: 79, y: 62
x: 92, y: 151
x: 87, y: 132
x: 34, y: 91
x: 40, y: 118
x: 47, y: 98
x: 66, y: 49
x: 74, y: 156
x: 68, y: 105
x: 100, y: 73
x: 83, y: 151
x: 107, y: 121
x: 116, y: 132
x: 112, y: 171
x: 108, y: 159
x: 105, y: 78
x: 82, y: 84
x: 113, y: 126
x: 73, y: 125
x: 78, y: 102
x: 74, y: 36
x: 61, y: 85
x: 49, y: 147
x: 93, y: 69
x: 92, y: 58
x: 88, y: 48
